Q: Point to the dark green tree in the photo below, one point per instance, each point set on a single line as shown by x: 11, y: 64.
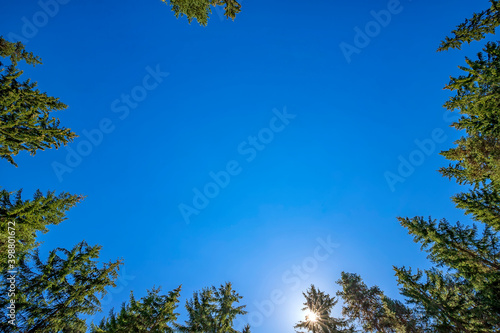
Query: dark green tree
x: 318, y: 307
x: 200, y: 9
x: 475, y: 28
x: 374, y: 311
x: 25, y: 122
x: 463, y: 297
x: 30, y: 217
x: 461, y: 292
x: 477, y: 153
x: 51, y: 296
x: 213, y: 310
x: 153, y: 313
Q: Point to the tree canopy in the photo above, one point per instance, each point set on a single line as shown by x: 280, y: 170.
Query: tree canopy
x: 214, y: 310
x: 210, y: 310
x: 52, y: 296
x: 460, y: 293
x: 201, y: 9
x: 318, y: 307
x: 152, y: 313
x: 25, y: 112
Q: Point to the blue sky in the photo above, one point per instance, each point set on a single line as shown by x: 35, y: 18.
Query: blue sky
x: 167, y: 104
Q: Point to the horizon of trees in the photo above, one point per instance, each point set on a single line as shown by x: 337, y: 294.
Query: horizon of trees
x: 459, y: 293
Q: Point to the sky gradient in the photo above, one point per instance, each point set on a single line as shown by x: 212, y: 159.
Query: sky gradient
x: 165, y: 111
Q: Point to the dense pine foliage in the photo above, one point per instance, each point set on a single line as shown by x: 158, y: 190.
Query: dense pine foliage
x: 25, y: 121
x: 460, y: 293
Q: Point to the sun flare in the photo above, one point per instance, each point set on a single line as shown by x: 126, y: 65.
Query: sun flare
x: 311, y: 316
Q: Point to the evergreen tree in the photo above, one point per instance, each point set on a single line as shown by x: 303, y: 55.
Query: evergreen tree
x: 318, y: 306
x: 374, y: 311
x: 200, y: 9
x: 475, y: 28
x: 464, y: 298
x: 30, y: 217
x: 461, y: 293
x: 51, y: 296
x: 25, y: 122
x: 213, y: 310
x: 153, y: 313
x: 477, y: 153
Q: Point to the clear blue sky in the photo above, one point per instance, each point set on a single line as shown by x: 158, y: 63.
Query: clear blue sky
x: 321, y: 174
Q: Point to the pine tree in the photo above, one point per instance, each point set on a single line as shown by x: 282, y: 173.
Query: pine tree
x: 374, y: 311
x: 25, y: 122
x: 477, y: 153
x: 153, y: 313
x: 200, y: 9
x: 474, y: 29
x: 461, y: 292
x: 213, y: 310
x: 51, y: 296
x: 464, y: 298
x: 318, y: 306
x: 30, y: 217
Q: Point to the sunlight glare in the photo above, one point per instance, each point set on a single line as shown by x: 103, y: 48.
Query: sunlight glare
x: 311, y: 316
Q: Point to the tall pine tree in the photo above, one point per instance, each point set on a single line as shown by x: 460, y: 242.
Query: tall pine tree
x: 52, y: 296
x: 49, y: 296
x: 214, y: 310
x: 154, y: 313
x: 461, y: 293
x: 25, y: 121
x: 30, y: 217
x: 375, y: 312
x: 318, y: 307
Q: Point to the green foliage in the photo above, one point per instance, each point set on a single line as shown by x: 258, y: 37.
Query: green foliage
x: 464, y: 299
x: 25, y: 122
x: 30, y: 217
x: 477, y: 154
x: 461, y: 292
x: 451, y: 302
x: 374, y: 311
x: 472, y: 256
x: 482, y: 204
x: 477, y: 99
x: 153, y: 313
x: 474, y: 29
x: 48, y: 296
x: 213, y: 310
x: 51, y: 296
x: 321, y: 305
x: 200, y: 9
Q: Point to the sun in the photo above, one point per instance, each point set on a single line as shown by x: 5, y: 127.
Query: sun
x: 311, y: 316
